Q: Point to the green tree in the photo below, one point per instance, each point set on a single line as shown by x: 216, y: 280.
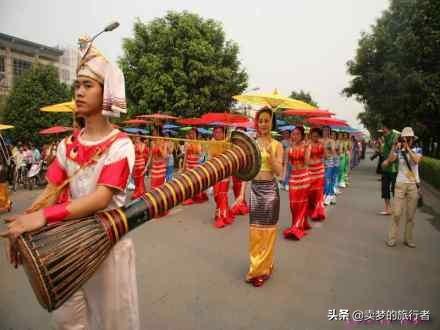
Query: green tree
x: 36, y: 88
x: 181, y: 64
x: 396, y: 70
x: 303, y: 96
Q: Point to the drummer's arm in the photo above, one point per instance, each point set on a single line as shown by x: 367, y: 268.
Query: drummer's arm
x: 91, y: 203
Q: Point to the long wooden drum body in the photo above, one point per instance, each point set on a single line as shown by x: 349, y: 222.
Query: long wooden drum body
x: 60, y: 258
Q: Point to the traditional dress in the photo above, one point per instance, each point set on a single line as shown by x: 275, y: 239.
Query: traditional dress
x: 192, y: 153
x: 329, y: 165
x: 342, y: 165
x: 109, y: 298
x: 316, y: 210
x: 223, y: 214
x: 355, y: 154
x: 348, y: 147
x: 239, y: 208
x: 299, y: 186
x: 158, y: 168
x: 263, y: 218
x: 142, y: 154
x: 159, y: 165
x: 337, y: 169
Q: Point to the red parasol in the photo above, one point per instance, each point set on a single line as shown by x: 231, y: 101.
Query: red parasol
x: 224, y: 117
x: 55, y: 130
x: 158, y: 116
x: 323, y: 121
x: 136, y: 122
x: 247, y: 124
x: 307, y: 113
x: 191, y: 121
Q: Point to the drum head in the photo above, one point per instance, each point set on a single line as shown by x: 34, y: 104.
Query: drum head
x: 253, y: 156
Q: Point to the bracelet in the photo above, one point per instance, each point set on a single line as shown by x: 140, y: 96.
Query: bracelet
x: 56, y: 213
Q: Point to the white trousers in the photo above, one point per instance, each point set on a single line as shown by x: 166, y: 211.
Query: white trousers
x: 109, y: 299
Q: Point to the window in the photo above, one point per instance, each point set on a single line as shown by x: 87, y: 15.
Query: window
x: 2, y: 63
x: 21, y: 66
x: 65, y: 59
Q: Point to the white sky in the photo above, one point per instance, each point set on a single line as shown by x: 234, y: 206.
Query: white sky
x: 289, y: 45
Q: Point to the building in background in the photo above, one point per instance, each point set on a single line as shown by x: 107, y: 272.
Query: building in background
x: 17, y: 56
x: 67, y: 65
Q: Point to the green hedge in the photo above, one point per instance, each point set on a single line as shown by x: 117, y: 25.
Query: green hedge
x: 430, y: 171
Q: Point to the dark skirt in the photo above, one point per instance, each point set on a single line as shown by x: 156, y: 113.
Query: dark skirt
x: 264, y: 203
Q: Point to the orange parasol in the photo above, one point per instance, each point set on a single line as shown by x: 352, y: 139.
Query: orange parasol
x: 55, y: 130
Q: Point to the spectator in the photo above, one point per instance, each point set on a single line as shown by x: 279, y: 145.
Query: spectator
x: 407, y: 182
x: 28, y: 156
x: 389, y: 169
x: 36, y: 155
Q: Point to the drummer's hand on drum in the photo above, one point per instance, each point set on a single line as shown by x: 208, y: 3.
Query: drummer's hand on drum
x: 23, y: 223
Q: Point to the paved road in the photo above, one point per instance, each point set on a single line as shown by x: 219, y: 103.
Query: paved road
x: 190, y: 275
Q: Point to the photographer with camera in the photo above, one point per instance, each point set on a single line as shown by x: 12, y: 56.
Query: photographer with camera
x: 407, y: 186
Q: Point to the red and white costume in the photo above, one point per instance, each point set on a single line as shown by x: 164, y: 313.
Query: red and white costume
x: 192, y: 154
x: 299, y: 185
x: 108, y: 300
x: 141, y: 153
x: 316, y: 209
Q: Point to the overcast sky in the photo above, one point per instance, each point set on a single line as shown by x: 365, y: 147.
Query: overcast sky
x: 289, y: 45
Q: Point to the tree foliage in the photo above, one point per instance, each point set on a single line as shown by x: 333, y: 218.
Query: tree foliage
x: 303, y: 96
x: 396, y: 70
x: 181, y: 64
x: 37, y: 87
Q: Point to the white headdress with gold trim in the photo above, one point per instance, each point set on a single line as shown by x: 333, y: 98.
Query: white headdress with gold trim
x: 95, y: 66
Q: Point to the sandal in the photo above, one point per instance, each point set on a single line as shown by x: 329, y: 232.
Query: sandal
x: 384, y: 213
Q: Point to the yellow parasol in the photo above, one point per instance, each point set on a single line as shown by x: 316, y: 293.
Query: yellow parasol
x: 273, y: 100
x: 60, y: 107
x: 3, y: 127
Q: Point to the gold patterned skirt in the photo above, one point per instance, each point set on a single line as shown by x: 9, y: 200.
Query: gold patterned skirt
x: 264, y: 213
